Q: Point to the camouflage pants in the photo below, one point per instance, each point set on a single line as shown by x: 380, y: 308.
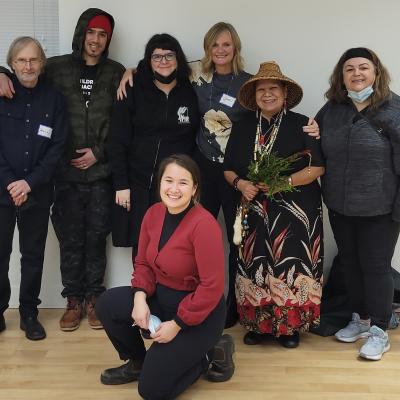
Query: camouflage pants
x: 81, y: 217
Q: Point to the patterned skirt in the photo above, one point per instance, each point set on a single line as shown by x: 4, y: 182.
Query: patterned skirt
x: 280, y: 268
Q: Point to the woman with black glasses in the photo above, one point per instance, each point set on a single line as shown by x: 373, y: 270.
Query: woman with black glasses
x: 158, y: 117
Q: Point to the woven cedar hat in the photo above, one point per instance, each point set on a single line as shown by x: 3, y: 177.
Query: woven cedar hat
x: 269, y: 70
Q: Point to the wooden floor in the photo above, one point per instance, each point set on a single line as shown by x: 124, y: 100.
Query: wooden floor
x: 67, y: 365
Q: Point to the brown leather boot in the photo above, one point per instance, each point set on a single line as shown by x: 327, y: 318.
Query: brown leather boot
x: 94, y: 322
x: 72, y: 315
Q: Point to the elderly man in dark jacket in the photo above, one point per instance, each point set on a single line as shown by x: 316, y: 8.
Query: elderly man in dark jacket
x: 83, y: 194
x: 32, y: 135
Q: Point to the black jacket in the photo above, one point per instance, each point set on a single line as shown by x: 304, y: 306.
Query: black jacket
x: 148, y: 126
x: 362, y: 153
x: 88, y: 126
x: 33, y: 130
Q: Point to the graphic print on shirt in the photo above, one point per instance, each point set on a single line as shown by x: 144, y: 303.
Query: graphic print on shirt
x: 86, y: 86
x: 183, y: 115
x: 219, y: 125
x: 87, y: 81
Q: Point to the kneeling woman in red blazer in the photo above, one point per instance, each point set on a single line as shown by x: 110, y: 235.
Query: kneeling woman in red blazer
x: 178, y: 277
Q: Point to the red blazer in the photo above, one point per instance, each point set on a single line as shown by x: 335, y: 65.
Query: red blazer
x: 192, y: 259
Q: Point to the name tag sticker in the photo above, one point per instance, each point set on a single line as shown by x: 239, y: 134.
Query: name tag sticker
x: 45, y: 131
x: 227, y: 100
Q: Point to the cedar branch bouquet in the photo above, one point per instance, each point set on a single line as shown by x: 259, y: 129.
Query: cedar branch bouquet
x: 273, y: 171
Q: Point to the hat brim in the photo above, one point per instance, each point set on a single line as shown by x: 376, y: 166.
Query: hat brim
x: 247, y: 93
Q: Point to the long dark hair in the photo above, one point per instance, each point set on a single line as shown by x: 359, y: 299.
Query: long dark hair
x: 185, y: 162
x: 165, y: 41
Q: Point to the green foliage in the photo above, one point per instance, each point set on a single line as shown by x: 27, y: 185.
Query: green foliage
x: 272, y: 170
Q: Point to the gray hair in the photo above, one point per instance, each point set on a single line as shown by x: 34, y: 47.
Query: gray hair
x: 19, y: 43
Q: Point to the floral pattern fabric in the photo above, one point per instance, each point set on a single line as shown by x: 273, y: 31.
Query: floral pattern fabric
x: 279, y: 278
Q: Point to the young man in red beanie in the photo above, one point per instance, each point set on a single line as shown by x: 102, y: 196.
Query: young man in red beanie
x: 81, y: 213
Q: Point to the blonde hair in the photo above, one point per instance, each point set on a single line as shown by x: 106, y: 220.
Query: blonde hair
x: 209, y: 40
x: 18, y: 44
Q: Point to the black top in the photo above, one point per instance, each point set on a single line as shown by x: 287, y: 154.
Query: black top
x: 87, y: 80
x: 171, y: 222
x: 217, y: 117
x: 290, y: 139
x: 148, y: 126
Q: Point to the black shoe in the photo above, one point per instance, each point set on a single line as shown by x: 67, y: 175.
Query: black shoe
x: 252, y: 338
x: 125, y: 373
x: 2, y: 323
x: 289, y: 341
x: 32, y: 327
x: 222, y: 367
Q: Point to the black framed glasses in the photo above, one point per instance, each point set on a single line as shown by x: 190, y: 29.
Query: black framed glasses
x: 167, y: 57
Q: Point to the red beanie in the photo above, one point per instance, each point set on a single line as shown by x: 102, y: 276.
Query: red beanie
x: 102, y: 22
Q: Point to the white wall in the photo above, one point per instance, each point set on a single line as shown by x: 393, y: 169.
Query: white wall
x: 306, y: 38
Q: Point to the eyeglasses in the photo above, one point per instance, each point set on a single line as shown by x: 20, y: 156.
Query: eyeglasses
x: 167, y: 57
x: 21, y: 62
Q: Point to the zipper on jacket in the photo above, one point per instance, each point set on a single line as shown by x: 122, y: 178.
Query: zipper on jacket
x: 158, y: 144
x: 154, y: 163
x: 345, y: 171
x: 86, y: 135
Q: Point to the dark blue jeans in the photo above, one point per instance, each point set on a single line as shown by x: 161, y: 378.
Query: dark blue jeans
x: 366, y: 246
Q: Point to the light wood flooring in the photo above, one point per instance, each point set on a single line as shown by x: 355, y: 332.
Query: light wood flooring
x: 67, y: 365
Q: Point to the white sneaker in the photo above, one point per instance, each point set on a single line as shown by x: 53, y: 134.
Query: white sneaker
x: 376, y: 345
x: 355, y: 329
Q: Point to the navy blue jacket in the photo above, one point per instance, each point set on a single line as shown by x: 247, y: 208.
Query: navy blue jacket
x: 33, y: 130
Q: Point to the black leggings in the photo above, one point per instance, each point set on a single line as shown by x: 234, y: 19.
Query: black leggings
x: 169, y: 368
x: 366, y: 246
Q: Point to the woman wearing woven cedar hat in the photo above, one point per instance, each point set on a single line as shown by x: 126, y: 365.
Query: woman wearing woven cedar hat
x: 279, y: 278
x: 361, y: 145
x: 217, y: 79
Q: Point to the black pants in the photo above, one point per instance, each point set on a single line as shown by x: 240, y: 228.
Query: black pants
x: 168, y: 368
x: 217, y: 193
x: 366, y: 246
x: 81, y: 217
x: 32, y: 227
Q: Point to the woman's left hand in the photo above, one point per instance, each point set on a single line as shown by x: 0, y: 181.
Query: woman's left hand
x: 312, y: 128
x: 166, y: 332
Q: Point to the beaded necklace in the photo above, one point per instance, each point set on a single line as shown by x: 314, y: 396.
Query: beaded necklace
x: 241, y: 225
x: 260, y: 148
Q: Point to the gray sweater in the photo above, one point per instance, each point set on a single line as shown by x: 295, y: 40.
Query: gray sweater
x: 362, y: 153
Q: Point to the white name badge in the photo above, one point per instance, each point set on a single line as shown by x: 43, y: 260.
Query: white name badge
x: 227, y: 100
x: 45, y: 131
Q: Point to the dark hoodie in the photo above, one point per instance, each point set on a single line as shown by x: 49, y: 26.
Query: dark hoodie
x: 148, y: 126
x: 88, y: 127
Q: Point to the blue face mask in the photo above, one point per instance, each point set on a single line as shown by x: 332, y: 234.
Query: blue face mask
x: 362, y: 95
